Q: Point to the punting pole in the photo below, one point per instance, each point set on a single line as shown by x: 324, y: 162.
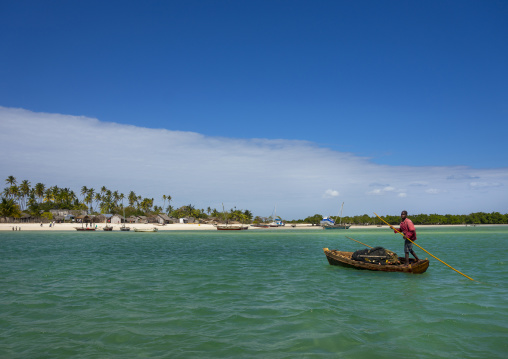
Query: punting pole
x: 423, y: 249
x: 358, y: 241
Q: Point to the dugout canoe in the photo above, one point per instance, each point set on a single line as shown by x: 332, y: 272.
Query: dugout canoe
x: 340, y: 258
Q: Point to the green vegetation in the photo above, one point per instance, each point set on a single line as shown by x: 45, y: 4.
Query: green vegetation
x: 39, y: 199
x: 473, y: 218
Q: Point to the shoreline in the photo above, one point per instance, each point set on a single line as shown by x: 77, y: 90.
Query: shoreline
x: 194, y: 227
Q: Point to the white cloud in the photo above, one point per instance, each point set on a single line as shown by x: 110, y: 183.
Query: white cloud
x: 382, y: 191
x: 253, y: 174
x: 330, y: 193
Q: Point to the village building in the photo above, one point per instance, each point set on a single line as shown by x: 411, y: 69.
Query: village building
x: 116, y: 219
x: 163, y: 218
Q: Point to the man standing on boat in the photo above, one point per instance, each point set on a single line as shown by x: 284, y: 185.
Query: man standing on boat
x: 407, y: 228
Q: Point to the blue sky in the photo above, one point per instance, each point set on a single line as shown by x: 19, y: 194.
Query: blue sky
x: 401, y: 89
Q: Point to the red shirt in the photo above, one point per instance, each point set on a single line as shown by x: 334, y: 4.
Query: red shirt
x: 408, y: 228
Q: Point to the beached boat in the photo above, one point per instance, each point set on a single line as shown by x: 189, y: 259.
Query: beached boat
x: 260, y: 225
x: 107, y: 228
x: 277, y: 221
x: 123, y: 228
x: 231, y: 227
x: 227, y: 226
x: 84, y: 228
x: 344, y: 259
x: 145, y: 229
x: 329, y: 223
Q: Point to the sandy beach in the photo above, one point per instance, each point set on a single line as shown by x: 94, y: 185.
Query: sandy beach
x: 116, y: 227
x: 172, y: 227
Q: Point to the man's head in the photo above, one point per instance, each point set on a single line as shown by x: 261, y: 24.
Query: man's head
x: 403, y: 215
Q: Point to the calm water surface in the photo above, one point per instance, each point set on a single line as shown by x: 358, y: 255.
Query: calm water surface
x: 252, y: 294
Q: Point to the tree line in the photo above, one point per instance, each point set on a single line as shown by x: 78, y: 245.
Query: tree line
x: 39, y: 199
x: 472, y: 218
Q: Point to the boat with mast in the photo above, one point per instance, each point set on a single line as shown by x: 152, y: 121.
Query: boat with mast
x: 329, y: 223
x: 123, y: 228
x: 229, y: 227
x: 277, y: 221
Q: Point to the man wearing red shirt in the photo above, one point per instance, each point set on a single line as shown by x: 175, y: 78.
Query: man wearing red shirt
x: 407, y: 228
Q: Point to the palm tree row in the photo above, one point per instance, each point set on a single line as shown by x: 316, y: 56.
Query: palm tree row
x: 39, y: 198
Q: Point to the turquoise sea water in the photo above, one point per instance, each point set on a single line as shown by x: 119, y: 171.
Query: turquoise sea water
x: 251, y: 294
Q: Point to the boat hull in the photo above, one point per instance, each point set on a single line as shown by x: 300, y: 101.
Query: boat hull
x: 145, y: 229
x: 343, y: 259
x: 232, y: 228
x: 338, y: 226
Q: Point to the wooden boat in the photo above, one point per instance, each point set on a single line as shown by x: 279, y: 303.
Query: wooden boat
x: 84, y: 229
x: 336, y: 226
x: 107, y: 228
x: 227, y: 226
x: 343, y: 259
x: 145, y: 229
x: 260, y: 225
x: 123, y: 228
x: 231, y: 227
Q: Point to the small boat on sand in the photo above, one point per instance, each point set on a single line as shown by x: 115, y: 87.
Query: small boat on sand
x: 84, y: 228
x: 145, y: 229
x: 231, y: 227
x: 329, y: 223
x: 227, y: 226
x: 344, y: 259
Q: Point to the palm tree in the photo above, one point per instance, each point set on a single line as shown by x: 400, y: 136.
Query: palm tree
x: 24, y: 189
x: 40, y: 189
x: 48, y: 195
x: 164, y: 197
x: 121, y: 197
x: 90, y: 197
x: 9, y: 208
x: 98, y: 197
x: 132, y: 198
x: 12, y: 191
x: 11, y: 181
x: 84, y: 192
x: 116, y: 199
x: 146, y: 205
x: 169, y: 208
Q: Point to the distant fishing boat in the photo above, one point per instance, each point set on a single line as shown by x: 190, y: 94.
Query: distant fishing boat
x: 84, y: 228
x: 229, y: 227
x: 260, y: 225
x: 277, y: 221
x: 123, y: 228
x: 329, y: 223
x: 146, y: 229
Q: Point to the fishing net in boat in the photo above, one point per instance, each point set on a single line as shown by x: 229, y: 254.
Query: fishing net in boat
x: 377, y: 255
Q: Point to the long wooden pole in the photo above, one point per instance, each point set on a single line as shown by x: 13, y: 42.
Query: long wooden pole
x: 423, y: 248
x: 358, y: 241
